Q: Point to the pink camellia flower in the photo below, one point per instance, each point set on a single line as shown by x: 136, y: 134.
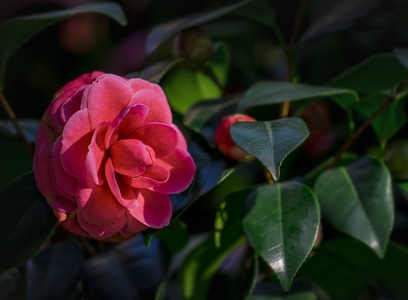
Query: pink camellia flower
x: 108, y: 156
x: 224, y: 141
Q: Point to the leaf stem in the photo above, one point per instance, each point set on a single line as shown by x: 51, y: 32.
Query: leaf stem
x: 12, y: 116
x: 360, y: 130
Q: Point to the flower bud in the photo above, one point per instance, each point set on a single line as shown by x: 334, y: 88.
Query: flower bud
x: 224, y: 141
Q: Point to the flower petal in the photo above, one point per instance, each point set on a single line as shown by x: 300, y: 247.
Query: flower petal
x: 182, y: 168
x: 161, y: 137
x: 106, y: 98
x: 97, y: 155
x: 130, y: 157
x: 154, y: 209
x: 133, y: 226
x: 155, y: 175
x: 76, y: 137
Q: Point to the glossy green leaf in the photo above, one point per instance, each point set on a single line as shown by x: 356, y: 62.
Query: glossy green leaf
x: 378, y: 73
x: 55, y: 272
x: 16, y: 32
x: 282, y: 226
x: 26, y: 222
x: 271, y: 141
x: 164, y: 31
x: 175, y: 236
x: 197, y: 85
x: 358, y: 270
x: 358, y: 201
x: 273, y: 92
x: 389, y: 121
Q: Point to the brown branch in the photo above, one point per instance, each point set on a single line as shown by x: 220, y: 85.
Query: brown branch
x: 12, y: 116
x: 360, y: 130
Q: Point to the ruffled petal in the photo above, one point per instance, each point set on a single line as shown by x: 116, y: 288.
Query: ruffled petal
x: 182, y: 168
x: 97, y: 155
x: 130, y: 157
x: 97, y: 204
x: 106, y: 98
x: 133, y: 226
x: 61, y: 208
x: 155, y: 175
x: 76, y: 138
x: 161, y: 137
x: 154, y: 209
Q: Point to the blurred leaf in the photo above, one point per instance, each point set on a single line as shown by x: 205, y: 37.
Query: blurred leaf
x: 257, y: 10
x: 28, y: 126
x: 295, y: 296
x: 212, y: 168
x: 358, y: 270
x: 55, y: 272
x: 13, y: 284
x: 282, y: 226
x: 273, y: 92
x: 341, y: 16
x: 175, y: 236
x: 270, y: 142
x: 16, y: 32
x: 402, y: 56
x: 201, y: 264
x: 162, y: 32
x: 128, y: 271
x: 197, y: 85
x: 15, y: 160
x: 358, y: 201
x: 26, y: 222
x: 378, y: 73
x: 389, y: 121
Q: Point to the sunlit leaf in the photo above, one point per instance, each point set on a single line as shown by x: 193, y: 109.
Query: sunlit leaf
x: 358, y: 269
x: 128, y: 271
x: 55, y: 272
x: 271, y: 141
x: 340, y: 16
x: 358, y: 201
x: 26, y: 222
x: 273, y: 92
x: 378, y: 73
x: 282, y: 226
x: 197, y: 84
x: 16, y: 32
x: 389, y: 121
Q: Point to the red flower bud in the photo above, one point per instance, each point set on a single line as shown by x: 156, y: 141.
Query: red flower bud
x: 224, y: 141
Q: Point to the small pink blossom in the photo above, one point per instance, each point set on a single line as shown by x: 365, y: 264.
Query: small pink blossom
x: 108, y: 156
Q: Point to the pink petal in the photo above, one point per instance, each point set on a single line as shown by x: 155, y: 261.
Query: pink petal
x: 123, y: 193
x: 72, y: 225
x: 61, y: 207
x: 154, y: 209
x: 97, y: 204
x: 133, y: 226
x: 97, y: 155
x: 155, y: 175
x: 76, y: 138
x: 182, y: 169
x: 62, y: 181
x: 106, y: 98
x: 130, y: 157
x: 155, y: 99
x: 161, y: 137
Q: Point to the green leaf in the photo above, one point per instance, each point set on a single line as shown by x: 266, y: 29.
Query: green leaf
x: 164, y: 31
x: 295, y: 296
x: 197, y: 85
x: 273, y: 92
x: 270, y: 141
x: 358, y: 201
x: 26, y: 222
x: 358, y: 270
x: 389, y: 121
x: 16, y: 32
x: 175, y: 236
x: 282, y: 226
x: 378, y: 73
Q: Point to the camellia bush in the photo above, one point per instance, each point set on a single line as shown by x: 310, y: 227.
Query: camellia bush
x: 251, y: 149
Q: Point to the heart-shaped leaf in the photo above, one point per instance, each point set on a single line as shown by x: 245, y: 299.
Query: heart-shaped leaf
x: 270, y: 142
x: 55, y: 272
x: 282, y: 226
x: 358, y: 201
x: 378, y: 73
x: 26, y: 222
x: 16, y: 32
x: 273, y: 92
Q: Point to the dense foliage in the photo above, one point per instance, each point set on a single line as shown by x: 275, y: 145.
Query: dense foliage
x: 319, y: 212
